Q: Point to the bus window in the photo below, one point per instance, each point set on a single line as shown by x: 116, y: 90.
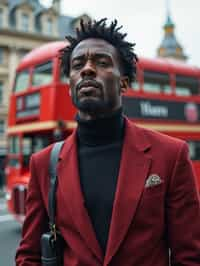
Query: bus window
x: 14, y: 149
x: 40, y: 143
x: 13, y: 143
x: 186, y: 86
x: 135, y: 85
x: 32, y: 100
x: 33, y: 144
x: 21, y: 81
x: 156, y: 82
x: 194, y: 150
x: 42, y: 74
x: 13, y: 162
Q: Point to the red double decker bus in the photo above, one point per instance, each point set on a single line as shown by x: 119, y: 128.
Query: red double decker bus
x: 165, y: 97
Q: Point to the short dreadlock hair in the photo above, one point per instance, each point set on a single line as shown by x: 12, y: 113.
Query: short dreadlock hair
x: 111, y: 34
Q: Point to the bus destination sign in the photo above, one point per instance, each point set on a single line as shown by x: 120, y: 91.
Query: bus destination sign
x: 143, y: 108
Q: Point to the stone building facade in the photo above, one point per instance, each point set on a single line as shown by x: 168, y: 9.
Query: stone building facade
x: 24, y: 25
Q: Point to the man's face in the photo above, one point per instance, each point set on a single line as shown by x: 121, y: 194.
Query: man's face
x: 95, y: 77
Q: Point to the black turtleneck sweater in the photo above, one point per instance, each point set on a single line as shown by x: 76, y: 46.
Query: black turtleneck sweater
x: 99, y: 149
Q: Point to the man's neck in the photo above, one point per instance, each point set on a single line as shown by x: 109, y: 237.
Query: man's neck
x: 87, y: 116
x: 102, y: 130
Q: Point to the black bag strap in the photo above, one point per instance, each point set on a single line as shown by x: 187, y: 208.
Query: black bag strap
x: 53, y: 183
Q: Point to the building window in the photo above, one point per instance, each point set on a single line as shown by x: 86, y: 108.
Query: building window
x: 2, y: 127
x: 1, y: 92
x: 22, y: 53
x: 25, y: 22
x: 1, y: 17
x: 1, y: 55
x: 49, y: 26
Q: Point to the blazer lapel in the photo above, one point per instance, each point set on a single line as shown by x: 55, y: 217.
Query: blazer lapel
x: 72, y: 195
x: 134, y: 168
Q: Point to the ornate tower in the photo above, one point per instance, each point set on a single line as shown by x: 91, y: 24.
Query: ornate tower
x: 170, y: 47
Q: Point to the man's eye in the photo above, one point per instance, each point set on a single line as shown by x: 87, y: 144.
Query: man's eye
x: 77, y: 65
x: 103, y: 63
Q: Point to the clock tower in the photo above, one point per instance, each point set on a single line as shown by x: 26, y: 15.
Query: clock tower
x: 170, y: 47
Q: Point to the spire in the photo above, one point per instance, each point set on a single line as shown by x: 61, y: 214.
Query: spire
x: 167, y: 7
x: 169, y: 23
x: 170, y: 47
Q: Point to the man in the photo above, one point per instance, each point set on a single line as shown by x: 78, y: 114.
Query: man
x: 125, y: 195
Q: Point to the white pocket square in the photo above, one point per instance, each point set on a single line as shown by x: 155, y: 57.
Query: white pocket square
x: 153, y: 180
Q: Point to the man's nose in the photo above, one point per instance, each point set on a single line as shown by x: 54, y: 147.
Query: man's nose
x: 88, y: 69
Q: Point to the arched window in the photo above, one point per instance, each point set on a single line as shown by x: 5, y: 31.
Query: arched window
x: 1, y: 17
x: 49, y: 26
x: 1, y: 92
x: 25, y: 22
x: 1, y: 55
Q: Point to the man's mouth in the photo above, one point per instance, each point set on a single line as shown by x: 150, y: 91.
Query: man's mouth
x: 89, y: 88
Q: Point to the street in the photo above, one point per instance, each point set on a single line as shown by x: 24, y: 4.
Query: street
x: 9, y: 235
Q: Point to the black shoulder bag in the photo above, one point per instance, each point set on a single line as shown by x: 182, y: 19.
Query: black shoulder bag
x: 52, y: 242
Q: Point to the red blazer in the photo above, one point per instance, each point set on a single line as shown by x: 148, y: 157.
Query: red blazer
x: 146, y: 219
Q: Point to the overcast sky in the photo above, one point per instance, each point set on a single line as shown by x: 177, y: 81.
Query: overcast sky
x: 143, y: 21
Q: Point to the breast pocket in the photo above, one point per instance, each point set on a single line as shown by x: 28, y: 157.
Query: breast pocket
x: 153, y: 191
x: 151, y: 207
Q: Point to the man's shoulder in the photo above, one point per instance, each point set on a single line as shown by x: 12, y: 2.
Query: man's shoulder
x: 44, y: 154
x: 162, y: 137
x: 155, y: 137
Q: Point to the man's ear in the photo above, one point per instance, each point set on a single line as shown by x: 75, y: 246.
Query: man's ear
x: 124, y: 83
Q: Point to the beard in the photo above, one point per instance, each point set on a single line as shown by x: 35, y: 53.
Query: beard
x: 91, y: 106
